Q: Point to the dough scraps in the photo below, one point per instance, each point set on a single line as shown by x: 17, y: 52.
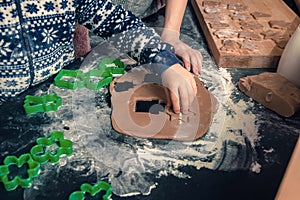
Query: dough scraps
x: 273, y: 91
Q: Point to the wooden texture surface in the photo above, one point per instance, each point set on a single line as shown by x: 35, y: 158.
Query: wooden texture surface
x: 289, y: 187
x: 246, y: 34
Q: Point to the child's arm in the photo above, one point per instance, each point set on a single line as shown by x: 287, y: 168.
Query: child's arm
x: 128, y: 34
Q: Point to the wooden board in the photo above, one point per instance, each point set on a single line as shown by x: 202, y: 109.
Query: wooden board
x: 290, y: 185
x: 246, y: 34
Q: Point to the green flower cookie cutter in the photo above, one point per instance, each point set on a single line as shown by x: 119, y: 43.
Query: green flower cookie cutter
x: 50, y: 149
x: 92, y: 190
x: 44, y: 103
x: 70, y: 79
x: 12, y: 183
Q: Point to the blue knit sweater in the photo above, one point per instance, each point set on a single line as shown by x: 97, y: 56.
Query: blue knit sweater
x: 36, y: 38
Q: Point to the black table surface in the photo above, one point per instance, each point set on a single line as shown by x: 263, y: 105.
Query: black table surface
x: 18, y: 132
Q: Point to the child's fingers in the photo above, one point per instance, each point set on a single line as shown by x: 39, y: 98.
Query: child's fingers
x: 175, y: 102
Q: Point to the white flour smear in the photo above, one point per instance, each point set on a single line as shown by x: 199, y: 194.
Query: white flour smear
x: 132, y: 165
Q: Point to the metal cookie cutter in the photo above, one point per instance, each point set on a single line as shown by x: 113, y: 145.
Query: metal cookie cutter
x: 50, y: 149
x: 11, y: 183
x: 92, y: 190
x: 45, y: 103
x: 70, y: 79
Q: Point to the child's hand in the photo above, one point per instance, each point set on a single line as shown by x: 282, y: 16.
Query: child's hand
x: 182, y: 87
x: 192, y: 58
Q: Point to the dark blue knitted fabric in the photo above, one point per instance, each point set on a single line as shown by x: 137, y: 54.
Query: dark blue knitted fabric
x: 36, y: 38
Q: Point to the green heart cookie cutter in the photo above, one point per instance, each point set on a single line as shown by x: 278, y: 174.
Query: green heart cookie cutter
x: 40, y: 154
x: 32, y: 171
x: 44, y: 103
x: 92, y: 190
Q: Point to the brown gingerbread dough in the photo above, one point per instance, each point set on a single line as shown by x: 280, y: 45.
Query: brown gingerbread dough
x: 237, y: 6
x: 141, y: 108
x: 258, y: 15
x: 218, y: 25
x: 248, y: 34
x: 273, y: 91
x: 240, y: 16
x: 279, y: 24
x: 230, y: 45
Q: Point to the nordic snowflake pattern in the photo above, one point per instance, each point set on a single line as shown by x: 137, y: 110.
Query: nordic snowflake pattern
x: 4, y: 48
x: 36, y: 38
x: 49, y: 35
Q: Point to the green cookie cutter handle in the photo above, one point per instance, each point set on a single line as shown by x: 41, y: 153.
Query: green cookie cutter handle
x: 92, y: 190
x: 44, y: 103
x: 57, y: 138
x: 32, y: 172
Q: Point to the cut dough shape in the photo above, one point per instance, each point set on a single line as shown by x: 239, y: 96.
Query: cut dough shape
x: 258, y: 15
x: 218, y: 25
x: 226, y: 33
x: 237, y: 6
x: 270, y: 34
x: 253, y: 25
x: 214, y: 16
x: 230, y: 45
x: 213, y: 10
x: 249, y: 35
x: 273, y: 91
x: 211, y: 3
x: 249, y: 45
x: 239, y: 16
x: 279, y: 24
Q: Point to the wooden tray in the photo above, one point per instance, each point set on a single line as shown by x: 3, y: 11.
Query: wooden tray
x: 246, y: 34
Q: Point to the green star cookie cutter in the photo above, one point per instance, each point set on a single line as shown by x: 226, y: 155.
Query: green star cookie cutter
x: 92, y: 190
x: 32, y: 171
x: 44, y: 103
x: 57, y: 145
x: 70, y: 79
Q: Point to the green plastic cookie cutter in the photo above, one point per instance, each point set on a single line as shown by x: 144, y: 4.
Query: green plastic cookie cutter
x: 92, y: 190
x: 112, y: 65
x: 44, y: 103
x: 111, y: 62
x: 70, y: 79
x: 104, y: 78
x: 94, y: 79
x: 51, y: 148
x: 12, y: 183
